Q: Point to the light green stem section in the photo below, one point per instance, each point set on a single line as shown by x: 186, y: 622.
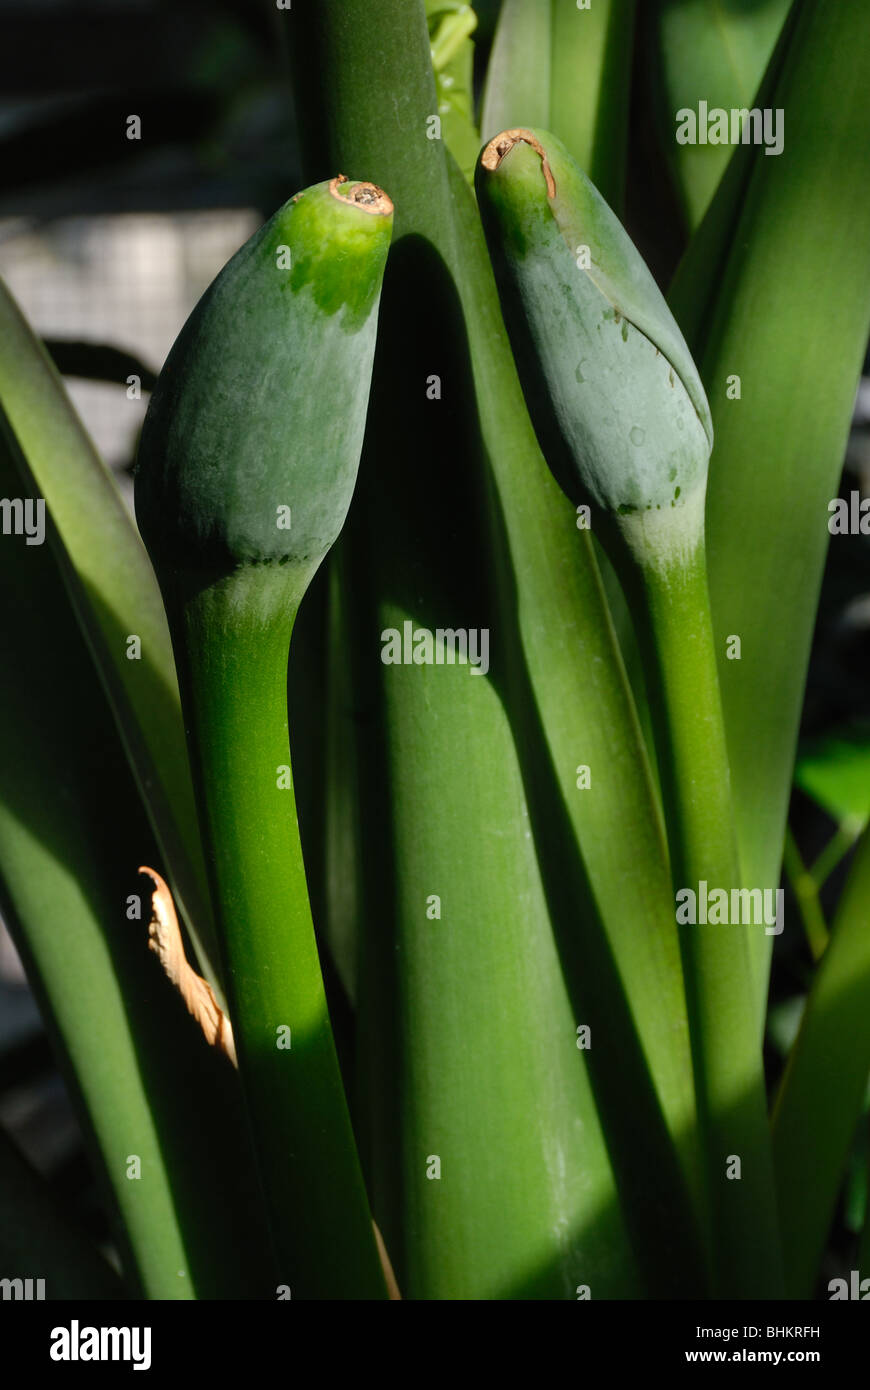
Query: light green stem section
x: 232, y: 641
x: 728, y: 1063
x: 805, y: 888
x: 834, y: 852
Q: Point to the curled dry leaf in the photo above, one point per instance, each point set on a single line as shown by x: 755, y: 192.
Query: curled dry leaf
x: 164, y: 938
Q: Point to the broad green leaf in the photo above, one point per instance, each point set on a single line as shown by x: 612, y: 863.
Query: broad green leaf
x: 710, y: 56
x: 590, y: 88
x: 517, y: 89
x: 786, y: 320
x: 835, y: 772
x: 115, y: 596
x: 567, y: 70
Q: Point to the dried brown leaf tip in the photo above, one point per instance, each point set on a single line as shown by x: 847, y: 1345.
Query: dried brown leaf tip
x: 164, y: 938
x: 500, y: 145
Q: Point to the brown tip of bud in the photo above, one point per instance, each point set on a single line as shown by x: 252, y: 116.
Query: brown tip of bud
x: 500, y: 145
x: 366, y: 196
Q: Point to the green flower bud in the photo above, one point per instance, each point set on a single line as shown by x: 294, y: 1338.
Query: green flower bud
x: 262, y: 402
x: 612, y: 390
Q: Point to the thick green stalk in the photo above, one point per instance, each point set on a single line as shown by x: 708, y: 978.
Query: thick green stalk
x: 676, y: 634
x: 822, y: 1093
x: 115, y: 596
x: 233, y: 636
x: 343, y: 809
x: 780, y: 443
x: 673, y: 617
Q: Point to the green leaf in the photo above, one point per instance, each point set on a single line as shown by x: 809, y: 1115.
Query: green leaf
x: 779, y: 447
x: 517, y: 90
x: 835, y: 772
x: 567, y: 70
x: 114, y: 595
x: 713, y: 52
x: 451, y: 24
x: 590, y: 92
